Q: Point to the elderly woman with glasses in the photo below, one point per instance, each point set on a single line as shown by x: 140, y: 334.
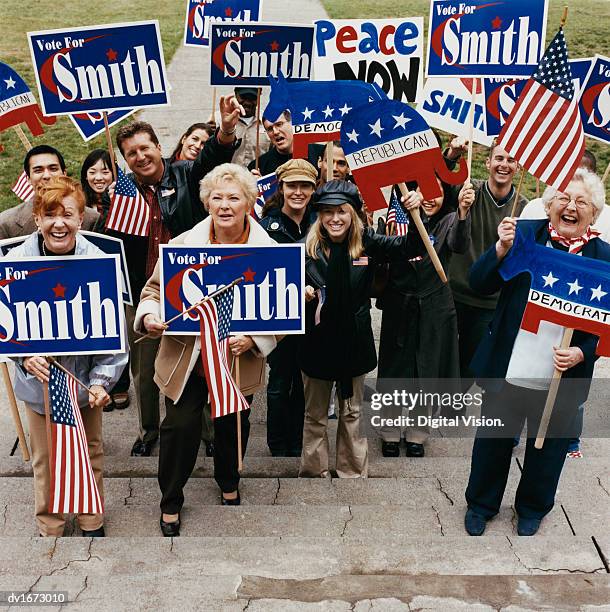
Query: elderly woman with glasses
x: 515, y: 366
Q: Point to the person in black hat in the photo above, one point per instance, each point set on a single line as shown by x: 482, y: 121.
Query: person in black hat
x: 338, y: 344
x: 246, y: 128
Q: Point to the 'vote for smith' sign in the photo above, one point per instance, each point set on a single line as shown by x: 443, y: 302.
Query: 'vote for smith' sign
x: 60, y: 306
x: 97, y: 68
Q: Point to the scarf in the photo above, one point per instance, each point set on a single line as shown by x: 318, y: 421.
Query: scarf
x: 574, y: 245
x: 339, y: 316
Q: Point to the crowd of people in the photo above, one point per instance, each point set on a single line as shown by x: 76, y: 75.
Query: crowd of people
x: 204, y: 193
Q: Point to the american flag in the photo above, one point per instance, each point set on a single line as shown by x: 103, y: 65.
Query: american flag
x: 22, y: 188
x: 544, y: 132
x: 215, y: 325
x: 396, y: 219
x: 73, y: 486
x: 129, y: 212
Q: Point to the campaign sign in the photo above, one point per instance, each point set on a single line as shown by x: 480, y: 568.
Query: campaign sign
x: 90, y: 125
x: 267, y: 187
x: 595, y: 100
x: 270, y: 299
x: 99, y: 68
x: 247, y: 54
x: 388, y: 52
x: 18, y: 104
x: 61, y: 306
x: 476, y: 38
x: 201, y: 14
x: 501, y: 94
x: 107, y: 244
x: 445, y: 105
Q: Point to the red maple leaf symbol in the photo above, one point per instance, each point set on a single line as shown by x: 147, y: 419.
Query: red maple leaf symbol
x: 60, y: 291
x: 111, y: 54
x: 275, y: 45
x: 248, y: 275
x: 228, y: 11
x: 496, y: 23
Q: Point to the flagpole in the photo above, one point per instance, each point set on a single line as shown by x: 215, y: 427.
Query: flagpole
x: 436, y: 262
x: 330, y: 154
x: 205, y: 299
x: 24, y: 139
x: 606, y: 173
x: 513, y: 212
x: 537, y: 187
x: 258, y: 126
x: 473, y: 99
x: 15, y: 411
x: 109, y: 144
x: 58, y: 365
x: 212, y: 119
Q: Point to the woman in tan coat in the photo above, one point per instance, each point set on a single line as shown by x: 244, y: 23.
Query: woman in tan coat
x: 228, y: 192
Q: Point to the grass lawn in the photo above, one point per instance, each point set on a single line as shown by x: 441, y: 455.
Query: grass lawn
x: 586, y: 34
x: 19, y: 17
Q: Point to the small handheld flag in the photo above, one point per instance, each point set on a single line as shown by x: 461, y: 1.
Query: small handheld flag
x: 23, y: 188
x: 129, y: 212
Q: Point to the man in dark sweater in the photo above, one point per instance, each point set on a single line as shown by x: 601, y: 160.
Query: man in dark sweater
x: 493, y: 200
x: 280, y: 134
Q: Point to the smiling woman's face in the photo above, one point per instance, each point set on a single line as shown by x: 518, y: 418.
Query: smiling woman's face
x: 571, y: 212
x: 59, y: 227
x: 228, y: 206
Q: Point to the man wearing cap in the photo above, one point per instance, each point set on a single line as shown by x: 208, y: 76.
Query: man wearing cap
x: 246, y: 128
x: 287, y: 218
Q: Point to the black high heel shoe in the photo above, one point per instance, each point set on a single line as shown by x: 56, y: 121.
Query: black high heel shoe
x: 170, y: 530
x: 230, y: 502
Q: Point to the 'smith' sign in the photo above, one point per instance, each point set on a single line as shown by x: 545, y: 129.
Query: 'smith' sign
x: 387, y: 52
x: 97, y: 68
x: 201, y: 14
x: 479, y: 38
x: 247, y: 54
x: 595, y: 100
x: 389, y: 142
x: 270, y: 300
x: 61, y: 306
x: 566, y: 289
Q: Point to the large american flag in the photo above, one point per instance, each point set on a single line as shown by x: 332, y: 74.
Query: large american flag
x: 22, y: 188
x: 129, y: 212
x: 396, y: 220
x: 73, y: 486
x: 544, y: 132
x: 215, y: 325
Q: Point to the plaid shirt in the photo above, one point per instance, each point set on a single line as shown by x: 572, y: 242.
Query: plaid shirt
x: 158, y: 234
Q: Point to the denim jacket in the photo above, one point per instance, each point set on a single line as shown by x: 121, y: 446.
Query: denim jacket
x: 103, y: 370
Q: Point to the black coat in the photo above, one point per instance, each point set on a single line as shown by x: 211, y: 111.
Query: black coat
x: 419, y: 336
x: 276, y: 225
x: 313, y: 352
x: 181, y: 208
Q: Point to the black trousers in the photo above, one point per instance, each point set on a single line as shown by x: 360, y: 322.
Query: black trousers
x: 285, y: 400
x: 492, y: 455
x: 180, y: 437
x: 473, y: 323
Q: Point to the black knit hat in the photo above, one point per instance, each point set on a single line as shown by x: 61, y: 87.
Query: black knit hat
x: 335, y: 193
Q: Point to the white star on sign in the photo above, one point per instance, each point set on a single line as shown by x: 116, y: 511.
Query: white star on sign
x: 10, y: 84
x: 401, y: 120
x: 345, y: 109
x: 597, y: 293
x: 307, y: 113
x: 574, y: 287
x: 328, y: 111
x: 549, y: 280
x: 376, y: 128
x: 353, y: 136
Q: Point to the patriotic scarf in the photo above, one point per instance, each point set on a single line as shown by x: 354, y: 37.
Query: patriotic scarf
x: 574, y: 245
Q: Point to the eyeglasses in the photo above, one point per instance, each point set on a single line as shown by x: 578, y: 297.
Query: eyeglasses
x: 278, y: 124
x: 564, y: 200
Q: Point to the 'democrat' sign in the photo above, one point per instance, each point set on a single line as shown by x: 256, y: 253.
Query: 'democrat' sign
x: 445, y: 104
x: 388, y: 52
x: 595, y: 100
x: 201, y: 14
x: 97, y: 68
x: 90, y: 125
x: 61, y: 306
x: 270, y: 300
x: 501, y: 94
x: 247, y: 54
x: 479, y: 38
